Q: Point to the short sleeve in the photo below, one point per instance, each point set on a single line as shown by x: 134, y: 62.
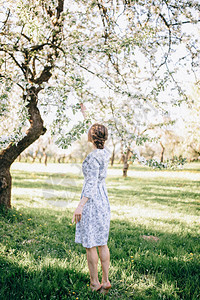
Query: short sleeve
x: 91, y: 177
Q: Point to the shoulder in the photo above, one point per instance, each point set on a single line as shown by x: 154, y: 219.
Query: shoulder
x: 98, y: 155
x: 107, y: 152
x: 91, y: 158
x: 103, y: 154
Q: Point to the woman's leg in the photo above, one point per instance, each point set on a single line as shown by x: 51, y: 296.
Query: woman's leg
x: 105, y: 262
x: 92, y: 259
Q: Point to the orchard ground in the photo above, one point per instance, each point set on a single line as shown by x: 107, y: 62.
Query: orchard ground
x: 154, y: 234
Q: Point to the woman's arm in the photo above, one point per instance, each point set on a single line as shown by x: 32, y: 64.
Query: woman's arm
x: 78, y: 212
x: 83, y: 110
x: 90, y: 187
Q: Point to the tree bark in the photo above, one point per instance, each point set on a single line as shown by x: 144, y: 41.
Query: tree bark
x: 113, y: 156
x: 44, y: 155
x: 9, y: 154
x: 126, y: 165
x: 195, y: 151
x: 34, y: 156
x: 162, y: 153
x: 122, y: 155
x: 5, y: 187
x: 113, y: 153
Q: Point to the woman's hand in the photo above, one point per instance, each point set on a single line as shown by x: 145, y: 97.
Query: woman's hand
x: 77, y: 214
x: 83, y: 110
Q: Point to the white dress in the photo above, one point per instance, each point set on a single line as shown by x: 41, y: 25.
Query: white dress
x: 93, y: 228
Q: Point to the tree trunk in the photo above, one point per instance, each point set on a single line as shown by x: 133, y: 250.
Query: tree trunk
x: 45, y: 159
x: 126, y: 165
x: 5, y: 187
x: 122, y: 158
x: 162, y: 153
x: 195, y: 150
x: 26, y: 158
x: 9, y: 154
x: 35, y: 155
x: 44, y: 155
x: 113, y: 155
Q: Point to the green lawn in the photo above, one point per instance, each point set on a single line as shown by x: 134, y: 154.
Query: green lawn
x: 154, y: 238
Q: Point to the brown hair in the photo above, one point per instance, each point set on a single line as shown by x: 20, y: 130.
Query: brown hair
x: 98, y: 134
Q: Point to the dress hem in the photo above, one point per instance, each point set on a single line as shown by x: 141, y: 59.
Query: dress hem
x: 96, y: 245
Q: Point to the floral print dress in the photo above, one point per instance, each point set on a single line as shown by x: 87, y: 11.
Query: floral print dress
x: 93, y: 228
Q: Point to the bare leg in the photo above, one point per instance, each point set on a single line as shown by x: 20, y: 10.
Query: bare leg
x: 105, y: 262
x: 92, y: 259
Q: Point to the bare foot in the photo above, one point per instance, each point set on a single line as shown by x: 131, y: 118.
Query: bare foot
x: 105, y: 287
x: 95, y: 287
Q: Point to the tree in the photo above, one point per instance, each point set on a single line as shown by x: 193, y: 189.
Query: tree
x: 125, y: 109
x: 191, y: 131
x: 112, y: 159
x: 24, y: 50
x: 54, y: 55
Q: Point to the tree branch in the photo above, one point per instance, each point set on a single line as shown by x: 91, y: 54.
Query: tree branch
x: 17, y: 63
x: 6, y: 20
x: 164, y: 20
x: 24, y: 35
x: 185, y: 22
x: 59, y: 8
x: 8, y: 155
x: 44, y: 76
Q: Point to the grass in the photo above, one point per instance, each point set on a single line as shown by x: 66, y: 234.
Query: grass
x: 40, y: 260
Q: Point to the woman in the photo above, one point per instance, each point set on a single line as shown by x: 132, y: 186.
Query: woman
x: 92, y: 216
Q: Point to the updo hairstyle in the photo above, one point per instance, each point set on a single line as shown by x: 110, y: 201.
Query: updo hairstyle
x: 98, y: 134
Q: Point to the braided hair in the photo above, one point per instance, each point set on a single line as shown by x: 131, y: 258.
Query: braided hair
x: 98, y: 134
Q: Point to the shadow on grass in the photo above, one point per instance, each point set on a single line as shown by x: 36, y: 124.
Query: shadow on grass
x: 37, y: 260
x: 65, y: 183
x: 170, y: 267
x: 40, y: 260
x: 159, y: 191
x: 50, y: 282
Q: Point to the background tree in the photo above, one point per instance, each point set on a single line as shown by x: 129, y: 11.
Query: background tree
x: 191, y: 128
x: 112, y: 159
x: 55, y: 54
x: 30, y: 37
